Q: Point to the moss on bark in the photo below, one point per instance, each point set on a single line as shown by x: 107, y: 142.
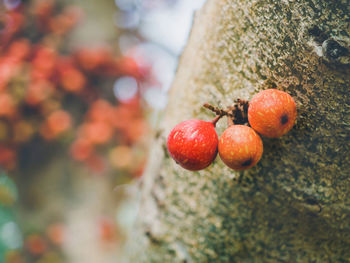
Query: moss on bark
x: 294, y: 205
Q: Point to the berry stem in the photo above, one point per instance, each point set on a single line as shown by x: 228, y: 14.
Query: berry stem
x: 236, y: 114
x: 216, y: 119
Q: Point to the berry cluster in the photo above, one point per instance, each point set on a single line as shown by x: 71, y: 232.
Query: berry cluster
x: 51, y: 94
x: 194, y: 144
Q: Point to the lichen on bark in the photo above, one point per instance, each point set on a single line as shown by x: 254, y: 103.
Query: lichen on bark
x: 294, y: 205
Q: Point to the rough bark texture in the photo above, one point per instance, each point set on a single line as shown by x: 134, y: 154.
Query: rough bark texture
x: 294, y: 206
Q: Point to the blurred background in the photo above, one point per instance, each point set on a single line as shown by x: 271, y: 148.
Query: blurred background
x: 82, y: 87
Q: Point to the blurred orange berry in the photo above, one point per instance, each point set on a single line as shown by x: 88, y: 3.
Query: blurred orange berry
x: 133, y: 106
x: 55, y: 233
x: 93, y: 59
x: 8, y: 69
x: 43, y: 9
x: 96, y: 132
x: 19, y: 49
x: 128, y: 66
x: 58, y: 122
x: 81, y: 149
x: 65, y: 21
x: 70, y: 77
x: 107, y: 230
x: 8, y: 106
x: 72, y: 80
x: 123, y: 116
x: 38, y: 91
x: 35, y: 244
x: 136, y: 130
x: 121, y: 157
x: 101, y: 110
x: 7, y: 157
x: 43, y: 63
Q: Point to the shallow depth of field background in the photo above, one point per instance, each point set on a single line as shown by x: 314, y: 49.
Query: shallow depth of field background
x: 82, y: 87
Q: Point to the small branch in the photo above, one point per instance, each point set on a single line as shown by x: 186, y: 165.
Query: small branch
x: 236, y: 114
x: 216, y: 110
x: 230, y: 122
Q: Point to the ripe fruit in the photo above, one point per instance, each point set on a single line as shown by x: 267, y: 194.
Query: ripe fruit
x: 240, y: 147
x: 272, y: 113
x: 193, y: 144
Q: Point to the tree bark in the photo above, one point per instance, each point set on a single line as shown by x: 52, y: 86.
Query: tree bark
x: 294, y: 206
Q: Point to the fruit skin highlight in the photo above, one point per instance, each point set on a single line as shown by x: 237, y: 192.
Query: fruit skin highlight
x: 272, y: 113
x: 193, y: 144
x: 240, y: 147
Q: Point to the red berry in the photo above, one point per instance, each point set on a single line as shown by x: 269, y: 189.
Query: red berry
x: 240, y: 147
x: 193, y: 144
x: 272, y: 113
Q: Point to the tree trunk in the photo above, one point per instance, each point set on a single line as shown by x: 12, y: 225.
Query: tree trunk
x: 294, y: 206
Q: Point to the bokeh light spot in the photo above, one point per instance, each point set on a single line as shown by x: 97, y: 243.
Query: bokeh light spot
x: 125, y: 88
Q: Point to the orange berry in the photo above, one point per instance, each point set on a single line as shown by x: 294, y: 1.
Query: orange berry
x: 272, y: 113
x: 240, y: 147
